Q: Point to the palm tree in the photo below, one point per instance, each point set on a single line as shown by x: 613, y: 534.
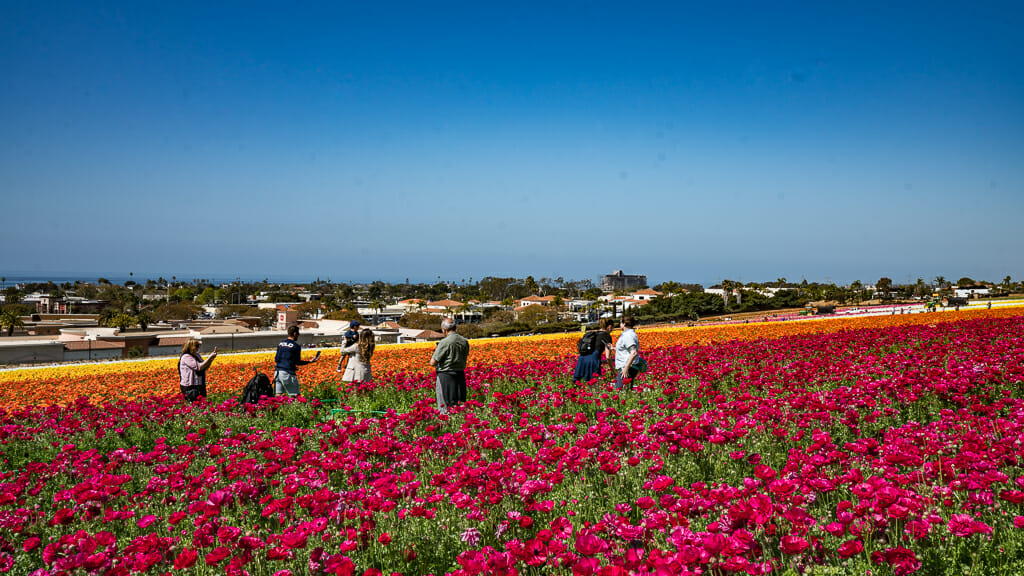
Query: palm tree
x: 856, y: 287
x: 557, y: 302
x: 10, y: 321
x: 144, y: 320
x: 465, y: 307
x: 377, y: 305
x: 727, y: 290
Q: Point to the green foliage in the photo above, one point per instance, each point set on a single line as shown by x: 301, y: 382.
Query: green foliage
x: 176, y: 312
x: 10, y: 321
x: 420, y: 321
x: 348, y: 314
x: 537, y: 315
x: 183, y: 295
x: 208, y: 296
x: 12, y: 295
x: 685, y: 306
x: 231, y: 310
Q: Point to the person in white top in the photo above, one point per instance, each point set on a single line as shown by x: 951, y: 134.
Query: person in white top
x: 626, y: 349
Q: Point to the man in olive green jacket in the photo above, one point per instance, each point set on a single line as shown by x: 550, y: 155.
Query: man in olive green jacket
x: 449, y: 360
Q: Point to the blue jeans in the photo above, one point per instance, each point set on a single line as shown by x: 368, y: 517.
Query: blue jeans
x: 286, y: 383
x: 618, y: 378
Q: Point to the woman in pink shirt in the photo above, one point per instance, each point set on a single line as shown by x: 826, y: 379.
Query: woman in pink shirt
x: 192, y: 369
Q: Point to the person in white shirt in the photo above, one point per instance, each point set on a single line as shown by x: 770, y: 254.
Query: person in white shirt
x: 627, y: 347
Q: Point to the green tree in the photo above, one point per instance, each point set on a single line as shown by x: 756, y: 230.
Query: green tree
x: 208, y: 296
x: 669, y: 287
x: 10, y: 321
x: 378, y: 305
x: 884, y: 287
x: 531, y: 285
x: 144, y: 319
x: 122, y: 320
x: 184, y: 294
x: 920, y: 288
x: 12, y: 295
x: 537, y: 314
x: 727, y: 286
x: 463, y: 309
x: 420, y: 321
x: 348, y: 314
x: 965, y: 281
x: 175, y: 312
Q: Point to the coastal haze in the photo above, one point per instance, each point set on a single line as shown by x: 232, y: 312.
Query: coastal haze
x: 361, y: 142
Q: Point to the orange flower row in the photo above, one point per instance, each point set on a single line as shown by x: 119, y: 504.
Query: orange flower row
x: 129, y: 380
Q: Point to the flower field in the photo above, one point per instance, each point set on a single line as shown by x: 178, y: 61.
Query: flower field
x: 888, y: 444
x: 139, y: 379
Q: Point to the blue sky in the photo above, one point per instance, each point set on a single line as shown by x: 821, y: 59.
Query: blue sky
x: 361, y: 141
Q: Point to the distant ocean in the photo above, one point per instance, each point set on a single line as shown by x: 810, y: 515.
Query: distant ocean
x: 62, y: 277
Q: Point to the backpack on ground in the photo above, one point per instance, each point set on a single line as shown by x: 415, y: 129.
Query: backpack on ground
x: 258, y: 385
x: 588, y: 343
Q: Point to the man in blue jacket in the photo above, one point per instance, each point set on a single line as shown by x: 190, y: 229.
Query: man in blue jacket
x: 287, y: 359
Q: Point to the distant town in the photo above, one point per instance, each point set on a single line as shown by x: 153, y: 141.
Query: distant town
x: 46, y: 322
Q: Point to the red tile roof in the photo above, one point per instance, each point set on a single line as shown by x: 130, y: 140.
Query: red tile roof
x: 445, y: 304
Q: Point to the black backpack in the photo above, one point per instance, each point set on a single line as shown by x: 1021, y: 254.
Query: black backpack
x: 258, y: 385
x: 588, y: 343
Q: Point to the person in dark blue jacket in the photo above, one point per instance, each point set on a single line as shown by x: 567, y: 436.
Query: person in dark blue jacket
x: 286, y: 361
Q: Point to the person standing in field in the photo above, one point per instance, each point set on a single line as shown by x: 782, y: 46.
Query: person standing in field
x: 449, y: 360
x: 192, y: 369
x: 286, y: 361
x: 359, y: 354
x: 627, y: 347
x: 588, y: 366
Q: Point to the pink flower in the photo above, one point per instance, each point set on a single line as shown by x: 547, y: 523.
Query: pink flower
x: 32, y: 543
x: 918, y: 529
x: 146, y: 520
x: 216, y: 555
x: 961, y: 525
x: 585, y: 567
x: 793, y: 544
x: 588, y: 544
x: 850, y: 548
x: 279, y: 553
x: 186, y: 559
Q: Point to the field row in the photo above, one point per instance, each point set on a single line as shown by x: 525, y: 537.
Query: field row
x: 891, y: 450
x: 133, y: 380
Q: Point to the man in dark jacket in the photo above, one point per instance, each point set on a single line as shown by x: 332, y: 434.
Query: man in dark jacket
x: 286, y: 361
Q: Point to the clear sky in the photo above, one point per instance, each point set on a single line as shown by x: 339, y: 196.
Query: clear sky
x: 689, y: 141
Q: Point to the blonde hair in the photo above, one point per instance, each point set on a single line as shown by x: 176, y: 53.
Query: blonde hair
x: 191, y: 346
x: 366, y: 345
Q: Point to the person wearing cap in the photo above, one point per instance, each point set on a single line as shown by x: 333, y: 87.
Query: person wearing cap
x: 286, y: 361
x: 352, y: 334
